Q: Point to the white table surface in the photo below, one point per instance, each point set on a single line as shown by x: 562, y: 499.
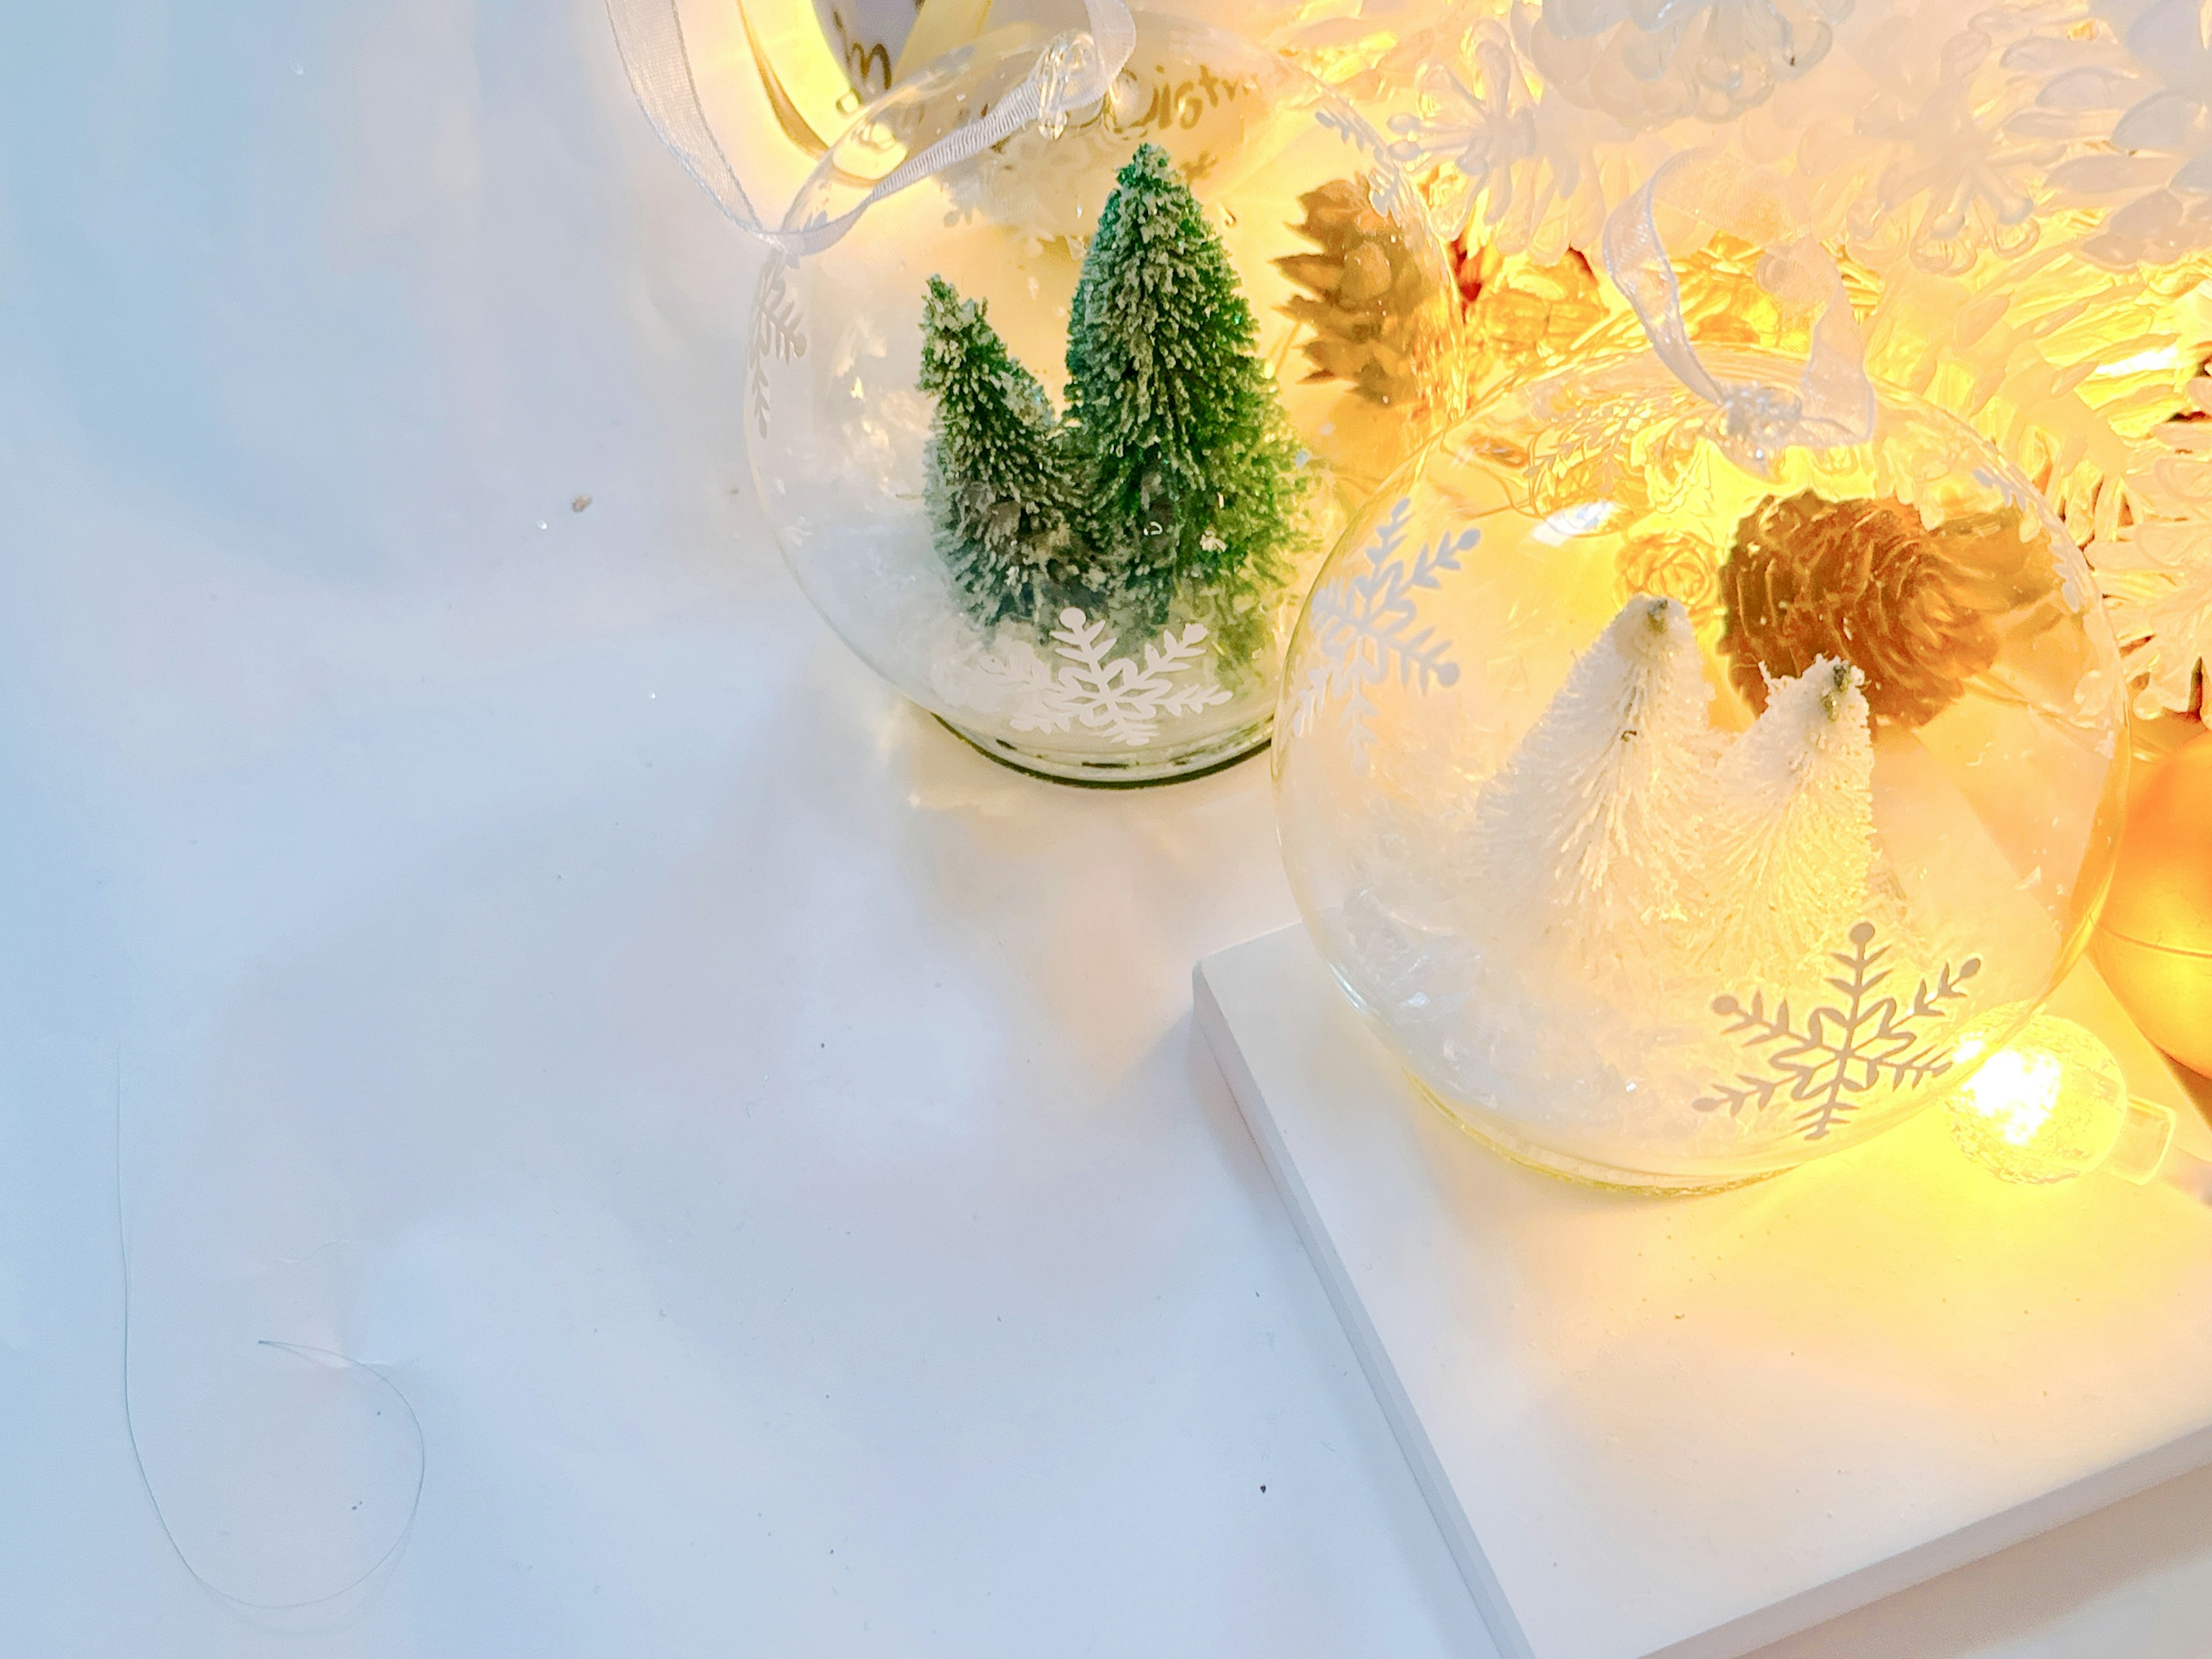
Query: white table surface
x: 765, y: 1143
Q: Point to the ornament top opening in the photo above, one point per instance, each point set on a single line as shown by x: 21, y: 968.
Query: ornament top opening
x: 1671, y: 822
x: 1056, y: 437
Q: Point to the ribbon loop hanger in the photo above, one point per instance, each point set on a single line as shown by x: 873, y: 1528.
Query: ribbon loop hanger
x: 1833, y: 402
x: 1073, y: 72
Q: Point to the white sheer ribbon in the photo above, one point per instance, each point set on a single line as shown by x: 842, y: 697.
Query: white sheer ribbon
x: 1833, y: 403
x: 1074, y: 73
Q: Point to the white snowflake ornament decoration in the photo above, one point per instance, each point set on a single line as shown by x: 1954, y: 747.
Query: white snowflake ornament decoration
x: 1843, y: 1053
x: 1117, y: 697
x: 1519, y: 160
x: 2135, y: 97
x: 1959, y: 177
x: 1367, y: 626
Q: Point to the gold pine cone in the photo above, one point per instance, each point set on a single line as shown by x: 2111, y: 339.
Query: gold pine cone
x: 1916, y: 609
x: 1366, y: 294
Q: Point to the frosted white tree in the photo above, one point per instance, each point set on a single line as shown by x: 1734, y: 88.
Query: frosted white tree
x: 1788, y: 848
x: 1585, y: 837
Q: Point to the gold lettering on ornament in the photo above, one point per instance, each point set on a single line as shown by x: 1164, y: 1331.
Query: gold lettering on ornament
x: 1184, y: 103
x: 862, y: 56
x: 1168, y: 105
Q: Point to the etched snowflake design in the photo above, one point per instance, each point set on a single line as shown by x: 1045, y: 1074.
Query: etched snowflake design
x: 1388, y: 191
x: 2009, y: 490
x: 1847, y: 1049
x: 1599, y: 445
x: 779, y: 331
x: 1100, y: 692
x: 1363, y: 624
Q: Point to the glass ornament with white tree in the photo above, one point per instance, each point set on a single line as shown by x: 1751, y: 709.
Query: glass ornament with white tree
x: 1684, y: 750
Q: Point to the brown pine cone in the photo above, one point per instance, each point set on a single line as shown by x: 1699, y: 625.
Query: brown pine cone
x: 1365, y: 293
x: 1916, y: 609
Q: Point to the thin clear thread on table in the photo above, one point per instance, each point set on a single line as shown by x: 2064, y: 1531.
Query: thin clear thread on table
x: 406, y: 1527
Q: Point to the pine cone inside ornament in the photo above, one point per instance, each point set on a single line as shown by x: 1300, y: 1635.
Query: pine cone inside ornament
x: 1919, y: 608
x: 1364, y: 299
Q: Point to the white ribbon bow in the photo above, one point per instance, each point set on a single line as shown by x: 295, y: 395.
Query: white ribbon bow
x: 1074, y: 72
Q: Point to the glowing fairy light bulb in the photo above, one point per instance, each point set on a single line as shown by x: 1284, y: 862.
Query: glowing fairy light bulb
x: 2014, y: 1094
x: 2052, y: 1105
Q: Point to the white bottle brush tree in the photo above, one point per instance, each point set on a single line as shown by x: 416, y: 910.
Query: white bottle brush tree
x: 1587, y: 834
x: 1625, y: 837
x: 1789, y: 849
x: 1785, y: 888
x: 1627, y: 848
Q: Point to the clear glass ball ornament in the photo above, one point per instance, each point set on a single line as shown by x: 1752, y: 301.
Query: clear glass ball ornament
x: 1672, y: 821
x: 1080, y: 532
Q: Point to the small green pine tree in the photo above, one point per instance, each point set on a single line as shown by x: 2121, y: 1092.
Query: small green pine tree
x: 1005, y: 488
x: 1195, y: 485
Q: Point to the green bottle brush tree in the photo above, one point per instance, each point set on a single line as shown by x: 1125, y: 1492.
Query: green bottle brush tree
x: 1171, y: 486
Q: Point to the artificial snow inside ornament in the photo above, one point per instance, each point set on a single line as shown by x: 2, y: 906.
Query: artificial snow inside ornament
x: 1055, y: 436
x: 1671, y: 774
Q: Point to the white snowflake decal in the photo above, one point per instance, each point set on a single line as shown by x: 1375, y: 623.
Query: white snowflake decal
x: 779, y: 331
x: 1363, y: 624
x: 1387, y: 190
x: 1846, y: 1048
x: 1100, y: 692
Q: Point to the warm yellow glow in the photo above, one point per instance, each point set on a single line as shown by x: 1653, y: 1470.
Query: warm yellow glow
x: 2143, y: 362
x: 2015, y: 1093
x: 940, y: 27
x: 1585, y: 519
x: 2050, y: 1105
x: 1344, y: 53
x: 811, y: 93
